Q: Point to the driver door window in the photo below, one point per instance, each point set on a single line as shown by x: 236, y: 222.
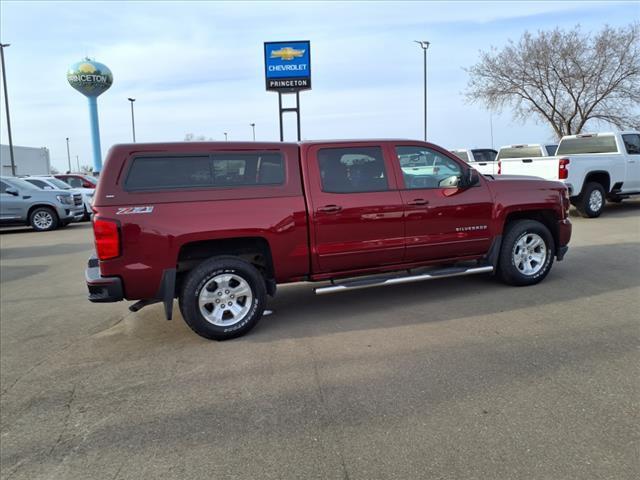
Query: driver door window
x: 425, y: 168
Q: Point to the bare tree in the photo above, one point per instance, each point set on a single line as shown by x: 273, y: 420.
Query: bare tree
x: 86, y: 169
x: 564, y: 78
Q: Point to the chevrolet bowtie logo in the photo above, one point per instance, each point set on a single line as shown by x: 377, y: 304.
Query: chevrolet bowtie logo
x: 287, y: 53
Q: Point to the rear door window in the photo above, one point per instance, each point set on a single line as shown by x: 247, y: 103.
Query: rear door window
x: 632, y: 143
x: 352, y: 170
x: 37, y: 183
x: 205, y: 171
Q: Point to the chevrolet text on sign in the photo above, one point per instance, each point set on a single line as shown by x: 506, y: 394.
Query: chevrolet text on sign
x: 287, y: 66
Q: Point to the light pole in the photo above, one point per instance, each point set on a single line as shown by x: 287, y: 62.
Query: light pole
x: 78, y: 162
x: 491, y: 127
x: 6, y: 104
x: 253, y: 128
x: 225, y: 136
x: 425, y: 46
x: 133, y: 120
x: 68, y: 155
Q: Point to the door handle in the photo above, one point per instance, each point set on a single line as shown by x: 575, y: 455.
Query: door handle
x: 418, y: 201
x: 527, y: 160
x: 483, y: 164
x: 330, y: 208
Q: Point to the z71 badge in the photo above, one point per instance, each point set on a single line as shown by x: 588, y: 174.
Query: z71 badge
x: 132, y: 210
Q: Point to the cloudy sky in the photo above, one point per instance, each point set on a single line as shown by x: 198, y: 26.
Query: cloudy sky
x: 197, y: 67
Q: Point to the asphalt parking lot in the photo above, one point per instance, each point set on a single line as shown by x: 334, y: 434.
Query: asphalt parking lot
x: 462, y: 378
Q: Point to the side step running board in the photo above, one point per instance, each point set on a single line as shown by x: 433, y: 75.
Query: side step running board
x: 383, y: 281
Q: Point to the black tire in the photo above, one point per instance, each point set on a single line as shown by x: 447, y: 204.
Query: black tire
x: 508, y: 271
x: 87, y: 215
x: 201, y: 277
x: 585, y: 205
x: 38, y: 222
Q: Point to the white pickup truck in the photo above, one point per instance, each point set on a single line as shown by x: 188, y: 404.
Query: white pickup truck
x: 594, y: 166
x: 482, y: 159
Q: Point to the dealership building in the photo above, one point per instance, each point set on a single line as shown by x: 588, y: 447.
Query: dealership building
x: 28, y: 160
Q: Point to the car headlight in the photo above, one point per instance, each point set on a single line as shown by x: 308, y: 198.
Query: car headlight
x: 67, y: 199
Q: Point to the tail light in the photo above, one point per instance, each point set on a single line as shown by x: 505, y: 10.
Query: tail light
x: 499, y: 167
x: 563, y: 168
x: 107, y: 238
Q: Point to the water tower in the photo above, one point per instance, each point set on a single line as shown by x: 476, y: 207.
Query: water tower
x: 91, y: 78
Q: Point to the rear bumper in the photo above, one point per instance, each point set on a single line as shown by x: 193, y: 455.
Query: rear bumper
x: 564, y: 235
x: 102, y: 289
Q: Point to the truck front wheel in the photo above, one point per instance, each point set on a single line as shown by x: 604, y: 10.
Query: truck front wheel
x: 526, y: 254
x: 223, y: 298
x: 591, y: 201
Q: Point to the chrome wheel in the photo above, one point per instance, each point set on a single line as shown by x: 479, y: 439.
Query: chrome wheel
x: 529, y: 253
x: 596, y: 200
x: 225, y: 300
x: 43, y: 220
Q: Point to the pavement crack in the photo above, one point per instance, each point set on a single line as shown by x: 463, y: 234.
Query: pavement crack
x: 65, y: 423
x: 326, y: 411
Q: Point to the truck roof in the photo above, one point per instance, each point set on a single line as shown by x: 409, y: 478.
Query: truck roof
x: 252, y: 144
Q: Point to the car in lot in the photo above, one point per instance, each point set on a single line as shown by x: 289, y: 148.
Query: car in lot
x: 22, y: 203
x: 219, y: 225
x: 78, y: 180
x: 53, y: 183
x: 482, y: 159
x: 594, y: 166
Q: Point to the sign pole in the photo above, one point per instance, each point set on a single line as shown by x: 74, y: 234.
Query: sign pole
x: 298, y: 111
x: 280, y: 115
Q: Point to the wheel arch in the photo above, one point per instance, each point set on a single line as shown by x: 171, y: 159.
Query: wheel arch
x: 548, y: 217
x: 254, y: 250
x: 598, y: 176
x: 41, y: 205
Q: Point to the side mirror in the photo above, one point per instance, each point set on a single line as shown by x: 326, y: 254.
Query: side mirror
x: 12, y: 191
x: 470, y: 178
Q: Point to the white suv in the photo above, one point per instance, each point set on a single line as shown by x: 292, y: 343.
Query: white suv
x: 53, y: 183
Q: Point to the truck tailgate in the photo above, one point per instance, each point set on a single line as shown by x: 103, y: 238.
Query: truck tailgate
x: 543, y: 167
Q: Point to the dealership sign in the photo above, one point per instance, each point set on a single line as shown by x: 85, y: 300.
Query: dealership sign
x: 287, y: 66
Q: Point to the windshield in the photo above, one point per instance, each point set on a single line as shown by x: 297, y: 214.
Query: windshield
x: 59, y: 183
x: 91, y: 179
x: 593, y: 144
x: 524, y: 151
x: 461, y: 154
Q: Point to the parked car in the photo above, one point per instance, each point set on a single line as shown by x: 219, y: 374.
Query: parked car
x: 594, y: 166
x: 52, y: 183
x: 24, y: 203
x: 219, y: 225
x: 482, y: 159
x: 78, y: 180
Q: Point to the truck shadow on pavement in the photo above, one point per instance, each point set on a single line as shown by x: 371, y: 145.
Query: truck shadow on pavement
x: 44, y: 250
x: 625, y: 209
x: 587, y: 271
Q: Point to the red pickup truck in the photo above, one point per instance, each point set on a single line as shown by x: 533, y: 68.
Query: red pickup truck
x: 219, y: 225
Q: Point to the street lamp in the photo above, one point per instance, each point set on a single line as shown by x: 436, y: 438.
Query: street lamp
x: 133, y: 120
x: 6, y: 104
x: 78, y: 162
x: 253, y: 128
x: 425, y: 46
x: 68, y: 155
x: 225, y: 136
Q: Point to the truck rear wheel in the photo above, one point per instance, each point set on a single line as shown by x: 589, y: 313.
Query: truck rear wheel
x: 526, y: 254
x: 223, y: 298
x: 43, y: 219
x: 591, y: 201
